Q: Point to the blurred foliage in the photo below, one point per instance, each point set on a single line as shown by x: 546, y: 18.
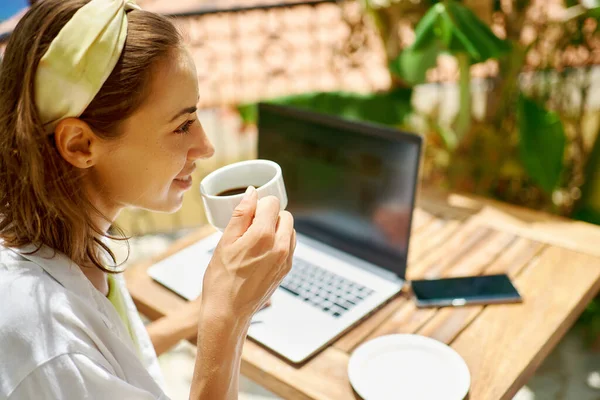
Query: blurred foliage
x: 389, y: 108
x: 451, y: 27
x: 589, y: 321
x: 588, y: 208
x: 388, y: 15
x: 542, y: 144
x: 528, y: 149
x: 446, y: 27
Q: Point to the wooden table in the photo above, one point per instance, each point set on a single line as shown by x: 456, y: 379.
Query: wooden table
x: 555, y: 264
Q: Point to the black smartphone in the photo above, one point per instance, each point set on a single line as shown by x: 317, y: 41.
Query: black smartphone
x: 487, y: 289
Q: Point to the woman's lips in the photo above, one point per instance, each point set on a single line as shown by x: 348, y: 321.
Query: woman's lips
x: 184, y: 182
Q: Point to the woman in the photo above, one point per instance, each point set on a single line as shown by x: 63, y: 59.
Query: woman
x: 97, y: 113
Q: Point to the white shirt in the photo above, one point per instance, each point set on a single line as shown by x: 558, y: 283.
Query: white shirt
x: 60, y: 338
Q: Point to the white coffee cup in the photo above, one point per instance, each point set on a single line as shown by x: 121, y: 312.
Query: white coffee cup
x: 264, y: 175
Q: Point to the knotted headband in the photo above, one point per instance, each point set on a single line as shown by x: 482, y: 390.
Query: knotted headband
x: 80, y: 59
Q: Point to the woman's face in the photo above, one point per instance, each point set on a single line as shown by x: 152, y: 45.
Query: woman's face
x: 150, y: 165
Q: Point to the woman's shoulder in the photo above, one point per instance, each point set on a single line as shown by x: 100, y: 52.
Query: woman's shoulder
x: 40, y: 319
x: 32, y: 298
x: 22, y: 281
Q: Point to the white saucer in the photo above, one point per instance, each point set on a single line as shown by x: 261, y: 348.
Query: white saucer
x: 411, y: 367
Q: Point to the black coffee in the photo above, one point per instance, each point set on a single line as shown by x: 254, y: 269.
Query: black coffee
x: 234, y: 191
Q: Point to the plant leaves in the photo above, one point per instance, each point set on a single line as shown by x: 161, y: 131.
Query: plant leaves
x: 542, y: 143
x: 588, y: 207
x: 389, y: 108
x: 412, y: 65
x: 470, y: 34
x: 594, y: 13
x: 447, y: 27
x: 426, y: 31
x: 248, y: 113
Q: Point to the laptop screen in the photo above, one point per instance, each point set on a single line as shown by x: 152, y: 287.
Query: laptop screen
x: 350, y: 185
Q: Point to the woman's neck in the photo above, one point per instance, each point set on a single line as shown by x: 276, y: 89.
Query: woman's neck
x: 96, y: 276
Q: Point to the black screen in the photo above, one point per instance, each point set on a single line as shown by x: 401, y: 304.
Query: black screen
x: 468, y: 288
x: 349, y: 185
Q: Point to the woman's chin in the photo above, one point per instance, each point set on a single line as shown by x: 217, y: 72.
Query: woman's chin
x: 174, y: 206
x: 169, y: 205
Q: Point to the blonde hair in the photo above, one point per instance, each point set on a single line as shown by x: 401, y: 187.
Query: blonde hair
x: 42, y: 200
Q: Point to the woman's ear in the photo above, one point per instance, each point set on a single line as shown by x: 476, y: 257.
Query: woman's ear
x: 77, y: 143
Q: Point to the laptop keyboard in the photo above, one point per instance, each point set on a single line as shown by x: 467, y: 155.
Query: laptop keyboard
x: 320, y: 288
x: 325, y: 290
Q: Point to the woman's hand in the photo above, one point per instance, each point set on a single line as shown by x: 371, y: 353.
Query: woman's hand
x: 253, y: 256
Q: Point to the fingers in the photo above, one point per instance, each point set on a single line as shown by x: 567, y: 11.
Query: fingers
x: 265, y: 221
x: 293, y: 243
x: 242, y: 216
x: 267, y: 304
x: 283, y: 237
x: 290, y: 259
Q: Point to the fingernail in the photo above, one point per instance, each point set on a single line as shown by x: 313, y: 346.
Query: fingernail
x: 248, y: 193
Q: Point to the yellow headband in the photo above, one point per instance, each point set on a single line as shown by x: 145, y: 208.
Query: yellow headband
x: 80, y: 59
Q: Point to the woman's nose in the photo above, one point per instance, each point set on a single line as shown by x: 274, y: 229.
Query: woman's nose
x: 202, y: 147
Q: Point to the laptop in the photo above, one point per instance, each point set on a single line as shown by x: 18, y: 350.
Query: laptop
x: 351, y: 187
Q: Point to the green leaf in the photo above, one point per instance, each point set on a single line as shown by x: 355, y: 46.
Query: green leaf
x: 389, y: 108
x: 426, y: 31
x: 452, y: 27
x: 594, y: 13
x: 412, y: 65
x: 588, y: 207
x: 248, y: 113
x: 473, y: 35
x: 542, y: 143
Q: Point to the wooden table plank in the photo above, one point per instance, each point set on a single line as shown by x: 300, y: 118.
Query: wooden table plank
x: 524, y: 222
x: 406, y: 317
x: 465, y: 239
x: 324, y: 377
x: 409, y: 318
x: 436, y: 234
x: 515, y: 258
x: 556, y: 287
x: 448, y: 322
x: 421, y: 219
x: 472, y: 261
x: 357, y: 335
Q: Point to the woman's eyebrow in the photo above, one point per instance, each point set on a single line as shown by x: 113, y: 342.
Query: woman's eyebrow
x: 188, y: 110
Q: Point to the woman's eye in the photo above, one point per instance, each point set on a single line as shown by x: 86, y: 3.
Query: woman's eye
x: 185, y: 128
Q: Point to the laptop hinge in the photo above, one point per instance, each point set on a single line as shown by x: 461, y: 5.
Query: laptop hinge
x: 350, y: 259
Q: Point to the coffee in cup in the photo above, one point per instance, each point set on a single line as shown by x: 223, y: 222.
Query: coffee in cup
x: 234, y: 191
x: 222, y: 190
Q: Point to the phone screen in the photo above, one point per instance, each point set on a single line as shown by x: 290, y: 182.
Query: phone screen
x: 467, y: 290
